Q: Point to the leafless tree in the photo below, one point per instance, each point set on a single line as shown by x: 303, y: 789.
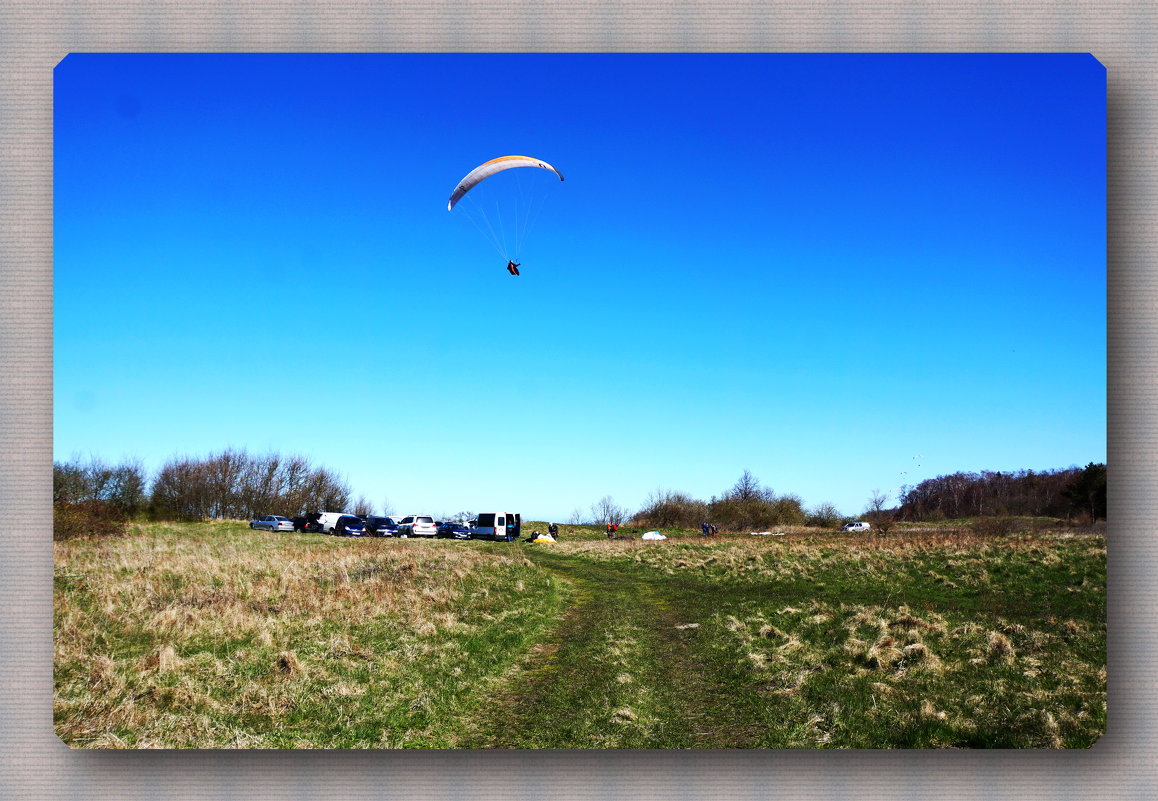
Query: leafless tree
x: 233, y: 484
x: 825, y: 515
x: 225, y: 472
x: 69, y: 484
x: 122, y: 486
x: 746, y: 488
x: 129, y: 487
x: 576, y: 518
x: 181, y: 489
x: 877, y: 512
x: 605, y: 511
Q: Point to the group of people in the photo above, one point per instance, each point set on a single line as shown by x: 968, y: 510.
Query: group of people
x: 709, y: 530
x: 551, y: 536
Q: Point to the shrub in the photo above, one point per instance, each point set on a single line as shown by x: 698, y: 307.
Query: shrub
x: 671, y: 510
x: 824, y: 516
x: 87, y: 519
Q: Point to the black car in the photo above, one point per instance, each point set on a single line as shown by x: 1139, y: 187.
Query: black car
x: 307, y: 523
x: 377, y: 526
x: 453, y: 530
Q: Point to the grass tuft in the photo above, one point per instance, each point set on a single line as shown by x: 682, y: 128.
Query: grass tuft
x: 288, y: 664
x: 998, y: 647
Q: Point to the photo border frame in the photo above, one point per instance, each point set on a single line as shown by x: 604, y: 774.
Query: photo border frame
x: 34, y: 764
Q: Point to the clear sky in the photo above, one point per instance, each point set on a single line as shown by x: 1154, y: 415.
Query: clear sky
x: 812, y: 267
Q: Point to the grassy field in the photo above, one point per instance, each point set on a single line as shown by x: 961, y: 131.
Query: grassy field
x: 214, y: 636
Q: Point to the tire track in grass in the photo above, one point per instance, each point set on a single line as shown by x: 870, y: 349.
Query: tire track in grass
x: 624, y: 669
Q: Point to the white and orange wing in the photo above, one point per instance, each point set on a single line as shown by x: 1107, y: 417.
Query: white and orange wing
x: 489, y: 168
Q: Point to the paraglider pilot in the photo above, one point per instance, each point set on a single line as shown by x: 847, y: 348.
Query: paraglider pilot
x: 512, y: 267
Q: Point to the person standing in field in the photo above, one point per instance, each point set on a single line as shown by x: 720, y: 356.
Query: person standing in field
x: 704, y: 529
x: 610, y: 531
x: 553, y: 530
x: 715, y: 531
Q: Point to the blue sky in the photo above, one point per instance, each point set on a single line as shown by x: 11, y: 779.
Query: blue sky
x: 812, y: 267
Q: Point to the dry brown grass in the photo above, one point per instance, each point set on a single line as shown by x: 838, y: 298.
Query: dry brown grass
x: 164, y: 637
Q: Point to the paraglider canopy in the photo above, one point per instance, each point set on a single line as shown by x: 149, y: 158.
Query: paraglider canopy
x: 489, y: 168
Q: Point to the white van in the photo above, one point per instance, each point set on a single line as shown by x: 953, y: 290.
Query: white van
x: 859, y: 526
x: 327, y: 520
x: 499, y: 526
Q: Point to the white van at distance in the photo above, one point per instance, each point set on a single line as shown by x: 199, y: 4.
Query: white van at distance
x: 505, y: 526
x: 858, y: 526
x: 416, y: 526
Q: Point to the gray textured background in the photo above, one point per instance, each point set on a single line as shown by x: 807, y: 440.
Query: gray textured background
x: 34, y: 36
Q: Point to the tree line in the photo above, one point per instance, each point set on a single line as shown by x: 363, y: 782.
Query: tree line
x: 745, y: 505
x: 1072, y: 492
x: 234, y: 484
x: 230, y: 484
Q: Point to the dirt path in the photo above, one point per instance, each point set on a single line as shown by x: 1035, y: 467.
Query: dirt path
x: 627, y: 668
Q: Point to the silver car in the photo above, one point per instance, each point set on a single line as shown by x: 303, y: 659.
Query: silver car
x: 273, y: 523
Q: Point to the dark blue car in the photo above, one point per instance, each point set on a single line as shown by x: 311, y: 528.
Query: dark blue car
x: 381, y: 526
x: 349, y: 526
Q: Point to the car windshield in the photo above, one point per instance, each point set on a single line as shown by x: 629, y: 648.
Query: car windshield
x: 278, y: 517
x: 349, y: 521
x: 424, y: 520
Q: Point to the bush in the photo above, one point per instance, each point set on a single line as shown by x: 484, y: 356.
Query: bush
x: 824, y: 516
x: 87, y: 519
x: 671, y: 510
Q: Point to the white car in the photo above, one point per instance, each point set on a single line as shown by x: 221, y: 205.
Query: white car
x: 416, y: 526
x: 858, y: 526
x: 273, y: 523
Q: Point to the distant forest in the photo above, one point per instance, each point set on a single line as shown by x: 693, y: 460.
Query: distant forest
x: 1071, y: 493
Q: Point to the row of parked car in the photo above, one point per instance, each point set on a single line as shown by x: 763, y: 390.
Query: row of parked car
x: 348, y: 525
